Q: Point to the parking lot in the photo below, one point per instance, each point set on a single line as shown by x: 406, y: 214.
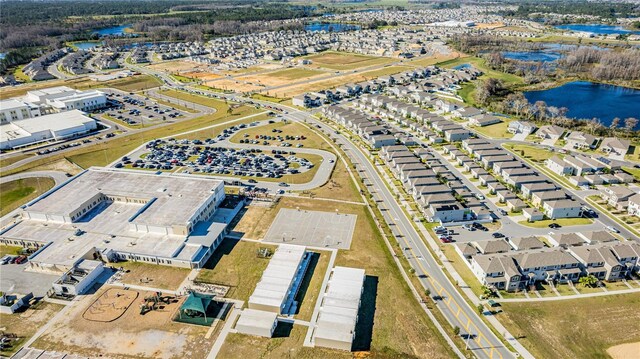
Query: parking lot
x: 203, y: 156
x: 135, y: 110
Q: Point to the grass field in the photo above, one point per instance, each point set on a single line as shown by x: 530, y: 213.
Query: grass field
x: 581, y: 328
x: 345, y: 61
x: 310, y: 288
x: 13, y: 159
x: 16, y: 193
x: 152, y: 275
x: 396, y: 333
x: 534, y: 153
x: 235, y: 264
x: 25, y: 324
x: 565, y: 222
x: 498, y: 130
x: 293, y: 73
x: 13, y: 250
x: 215, y: 131
x: 340, y: 186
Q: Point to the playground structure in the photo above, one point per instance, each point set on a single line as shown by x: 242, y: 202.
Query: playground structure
x: 111, y: 305
x: 155, y: 301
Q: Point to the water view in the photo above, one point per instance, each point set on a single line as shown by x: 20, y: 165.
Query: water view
x: 586, y: 100
x: 114, y: 30
x: 331, y: 27
x: 86, y: 45
x: 599, y: 29
x: 539, y: 56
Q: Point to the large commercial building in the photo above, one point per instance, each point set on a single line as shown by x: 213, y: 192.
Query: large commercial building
x: 113, y: 215
x: 280, y: 282
x: 53, y: 127
x: 336, y: 324
x: 50, y: 114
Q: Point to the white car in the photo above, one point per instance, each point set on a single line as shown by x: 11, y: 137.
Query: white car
x: 612, y: 229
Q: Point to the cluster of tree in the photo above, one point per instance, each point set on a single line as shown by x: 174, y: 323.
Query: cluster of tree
x: 603, y: 65
x: 539, y: 112
x: 605, y: 9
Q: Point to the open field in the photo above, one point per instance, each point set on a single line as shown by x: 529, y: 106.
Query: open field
x: 345, y: 61
x: 215, y: 131
x: 131, y: 335
x: 498, y: 130
x: 281, y: 77
x: 310, y: 288
x: 340, y: 186
x: 235, y: 264
x: 152, y: 275
x: 16, y: 193
x: 396, y: 333
x: 335, y: 81
x: 533, y: 153
x: 232, y: 85
x: 176, y: 66
x: 432, y: 60
x: 129, y: 84
x: 25, y: 324
x: 588, y: 326
x: 12, y: 91
x: 624, y: 351
x: 565, y: 222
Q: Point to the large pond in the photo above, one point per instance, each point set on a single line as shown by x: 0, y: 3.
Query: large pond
x: 86, y: 45
x: 330, y: 27
x: 539, y: 56
x: 599, y: 29
x: 586, y: 100
x: 113, y: 31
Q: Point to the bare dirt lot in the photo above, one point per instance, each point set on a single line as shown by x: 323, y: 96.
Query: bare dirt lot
x: 112, y: 304
x: 153, y: 335
x: 625, y: 351
x: 176, y: 66
x: 26, y: 323
x: 282, y: 77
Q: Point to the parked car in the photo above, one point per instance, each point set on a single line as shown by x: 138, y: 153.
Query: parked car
x: 612, y: 229
x: 555, y: 226
x: 498, y: 235
x: 6, y: 259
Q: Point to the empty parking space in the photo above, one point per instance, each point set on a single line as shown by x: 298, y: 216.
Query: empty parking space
x: 16, y: 280
x: 312, y: 228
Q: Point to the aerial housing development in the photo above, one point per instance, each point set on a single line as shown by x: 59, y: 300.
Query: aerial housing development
x: 348, y: 179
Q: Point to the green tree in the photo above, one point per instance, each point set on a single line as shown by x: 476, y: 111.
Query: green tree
x: 480, y: 308
x: 456, y: 330
x: 588, y: 281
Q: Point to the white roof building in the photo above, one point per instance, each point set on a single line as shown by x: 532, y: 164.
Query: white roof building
x: 257, y: 322
x: 335, y: 327
x: 280, y: 281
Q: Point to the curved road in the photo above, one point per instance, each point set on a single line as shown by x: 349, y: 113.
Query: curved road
x: 57, y: 176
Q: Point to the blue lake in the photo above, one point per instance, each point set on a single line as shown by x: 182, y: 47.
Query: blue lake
x: 331, y: 27
x: 462, y: 66
x: 86, y: 45
x: 599, y: 29
x: 115, y: 30
x: 586, y: 100
x: 539, y: 56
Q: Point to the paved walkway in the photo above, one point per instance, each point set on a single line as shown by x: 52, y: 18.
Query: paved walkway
x: 235, y: 311
x: 573, y: 296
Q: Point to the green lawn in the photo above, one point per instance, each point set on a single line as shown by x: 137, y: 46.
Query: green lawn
x: 635, y: 172
x: 565, y: 222
x: 345, y: 61
x: 534, y: 153
x: 498, y: 130
x: 16, y: 193
x: 294, y: 73
x: 235, y: 264
x: 580, y: 328
x: 5, y: 249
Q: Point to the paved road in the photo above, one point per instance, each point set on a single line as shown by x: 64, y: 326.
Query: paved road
x: 57, y: 176
x: 455, y: 309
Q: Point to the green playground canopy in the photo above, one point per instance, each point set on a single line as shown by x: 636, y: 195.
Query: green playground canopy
x: 197, y: 303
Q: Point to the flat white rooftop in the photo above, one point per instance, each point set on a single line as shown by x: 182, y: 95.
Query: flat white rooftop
x: 273, y: 288
x: 340, y: 305
x: 257, y: 319
x: 52, y: 123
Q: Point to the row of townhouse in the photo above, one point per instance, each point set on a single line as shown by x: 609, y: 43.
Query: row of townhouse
x: 552, y: 201
x: 37, y: 69
x: 361, y: 124
x: 74, y: 63
x: 589, y: 171
x: 441, y: 196
x: 515, y: 264
x: 583, y: 141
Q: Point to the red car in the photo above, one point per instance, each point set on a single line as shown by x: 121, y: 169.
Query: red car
x: 446, y: 239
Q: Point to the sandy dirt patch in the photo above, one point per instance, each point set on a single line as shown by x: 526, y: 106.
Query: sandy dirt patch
x: 625, y: 351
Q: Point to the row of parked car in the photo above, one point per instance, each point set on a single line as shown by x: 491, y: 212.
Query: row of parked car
x: 13, y: 259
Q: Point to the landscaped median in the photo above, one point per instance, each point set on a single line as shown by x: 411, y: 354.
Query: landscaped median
x: 565, y: 222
